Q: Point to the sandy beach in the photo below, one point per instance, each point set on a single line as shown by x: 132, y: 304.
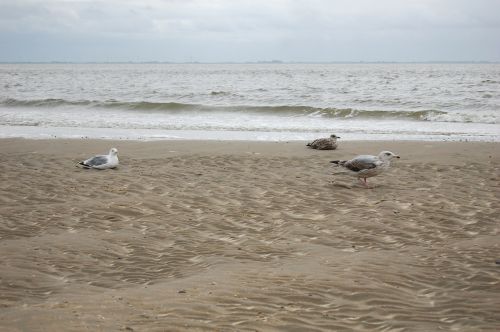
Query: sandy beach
x: 248, y: 236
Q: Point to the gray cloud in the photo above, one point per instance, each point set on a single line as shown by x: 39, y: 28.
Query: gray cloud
x: 246, y: 30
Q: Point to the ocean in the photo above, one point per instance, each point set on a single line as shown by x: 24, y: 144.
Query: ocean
x: 267, y: 102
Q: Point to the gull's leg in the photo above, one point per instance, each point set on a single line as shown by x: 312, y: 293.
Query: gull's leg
x: 367, y: 185
x: 364, y: 182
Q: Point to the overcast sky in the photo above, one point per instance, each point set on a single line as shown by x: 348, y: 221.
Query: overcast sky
x: 249, y: 30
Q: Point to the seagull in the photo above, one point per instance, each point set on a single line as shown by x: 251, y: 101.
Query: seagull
x: 102, y: 161
x: 366, y: 166
x: 329, y: 143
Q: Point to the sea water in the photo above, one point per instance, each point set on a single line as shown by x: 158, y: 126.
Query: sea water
x: 273, y: 102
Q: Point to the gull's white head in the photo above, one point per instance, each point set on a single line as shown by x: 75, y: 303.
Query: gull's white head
x: 113, y: 152
x: 387, y: 155
x: 334, y: 136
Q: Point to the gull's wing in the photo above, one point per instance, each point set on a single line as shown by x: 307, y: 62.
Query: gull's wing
x: 361, y: 163
x: 96, y: 161
x: 315, y: 142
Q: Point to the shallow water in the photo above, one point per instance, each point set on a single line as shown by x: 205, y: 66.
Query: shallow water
x: 251, y: 101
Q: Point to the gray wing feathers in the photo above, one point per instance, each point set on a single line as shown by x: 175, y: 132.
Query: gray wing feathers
x: 361, y: 163
x: 96, y: 161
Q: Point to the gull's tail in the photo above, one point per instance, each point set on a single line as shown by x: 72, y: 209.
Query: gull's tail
x: 82, y: 163
x: 338, y: 162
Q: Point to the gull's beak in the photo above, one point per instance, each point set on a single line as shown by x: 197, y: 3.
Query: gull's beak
x: 397, y: 156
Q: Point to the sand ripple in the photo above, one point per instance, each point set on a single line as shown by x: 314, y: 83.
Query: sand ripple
x: 248, y: 242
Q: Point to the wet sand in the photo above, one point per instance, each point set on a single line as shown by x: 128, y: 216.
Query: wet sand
x: 242, y: 236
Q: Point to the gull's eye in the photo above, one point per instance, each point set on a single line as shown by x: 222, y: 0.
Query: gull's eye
x: 387, y: 154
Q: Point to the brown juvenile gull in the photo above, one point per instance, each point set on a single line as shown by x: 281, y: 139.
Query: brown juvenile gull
x: 102, y: 161
x: 366, y: 166
x: 329, y: 143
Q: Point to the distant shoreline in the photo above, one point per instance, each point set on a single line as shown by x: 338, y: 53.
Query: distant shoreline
x: 248, y: 62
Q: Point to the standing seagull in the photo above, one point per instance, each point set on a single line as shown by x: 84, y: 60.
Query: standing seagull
x: 102, y: 161
x: 329, y: 143
x: 366, y: 166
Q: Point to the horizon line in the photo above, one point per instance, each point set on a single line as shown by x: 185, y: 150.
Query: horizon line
x: 257, y: 62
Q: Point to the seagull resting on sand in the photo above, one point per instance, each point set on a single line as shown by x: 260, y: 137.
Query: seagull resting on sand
x: 102, y: 161
x: 329, y: 143
x: 366, y: 166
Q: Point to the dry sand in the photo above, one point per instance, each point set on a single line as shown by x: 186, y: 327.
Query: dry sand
x: 240, y: 236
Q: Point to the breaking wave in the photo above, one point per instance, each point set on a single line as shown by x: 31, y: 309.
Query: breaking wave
x: 285, y: 110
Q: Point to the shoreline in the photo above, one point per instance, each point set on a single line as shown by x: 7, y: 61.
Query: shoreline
x: 244, y: 235
x: 423, y: 150
x: 467, y: 132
